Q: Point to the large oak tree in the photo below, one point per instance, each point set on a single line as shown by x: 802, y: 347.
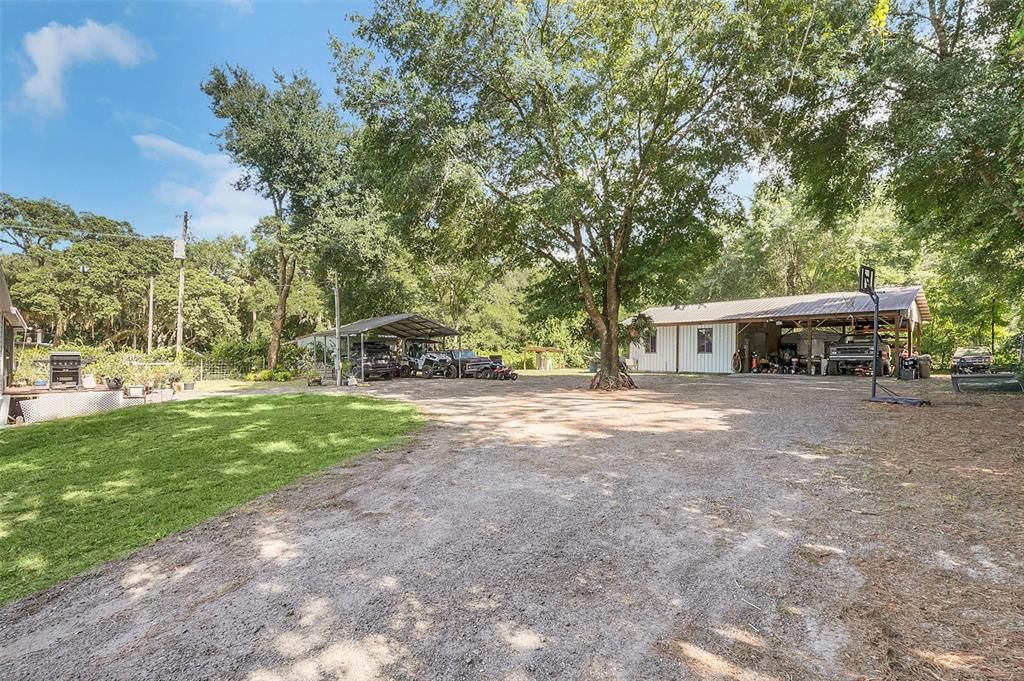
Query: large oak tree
x: 596, y: 137
x: 289, y: 145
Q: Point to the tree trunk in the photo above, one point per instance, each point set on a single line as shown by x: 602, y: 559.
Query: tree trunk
x: 286, y: 273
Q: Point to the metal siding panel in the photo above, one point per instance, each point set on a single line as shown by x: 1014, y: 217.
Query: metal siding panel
x: 666, y: 348
x: 719, y: 360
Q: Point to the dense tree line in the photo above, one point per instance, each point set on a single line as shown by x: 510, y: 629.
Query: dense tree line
x: 85, y: 280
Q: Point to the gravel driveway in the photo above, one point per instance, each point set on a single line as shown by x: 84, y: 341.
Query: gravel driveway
x: 694, y: 529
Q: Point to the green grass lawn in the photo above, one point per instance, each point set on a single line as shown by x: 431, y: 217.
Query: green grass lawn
x: 77, y: 492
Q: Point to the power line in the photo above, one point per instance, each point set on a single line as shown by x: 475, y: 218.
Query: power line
x: 78, y: 232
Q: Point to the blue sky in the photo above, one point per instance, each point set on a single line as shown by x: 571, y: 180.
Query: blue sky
x: 101, y: 107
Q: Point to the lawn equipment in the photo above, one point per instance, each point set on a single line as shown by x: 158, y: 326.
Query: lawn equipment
x: 503, y: 373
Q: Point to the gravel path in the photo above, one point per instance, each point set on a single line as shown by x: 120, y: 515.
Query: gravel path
x: 689, y: 530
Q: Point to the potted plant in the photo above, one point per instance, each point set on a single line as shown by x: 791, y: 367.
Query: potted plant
x: 188, y: 378
x: 309, y: 370
x: 135, y: 377
x: 176, y: 377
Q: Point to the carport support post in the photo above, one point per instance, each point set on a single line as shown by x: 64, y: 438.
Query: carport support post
x: 458, y: 354
x: 362, y: 359
x: 874, y: 342
x: 337, y: 333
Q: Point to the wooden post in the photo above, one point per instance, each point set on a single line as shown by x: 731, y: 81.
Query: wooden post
x: 149, y: 333
x: 899, y: 324
x: 337, y: 333
x: 179, y: 336
x: 810, y: 345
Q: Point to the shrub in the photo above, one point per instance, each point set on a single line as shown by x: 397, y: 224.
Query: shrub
x: 253, y: 353
x: 132, y: 367
x: 278, y: 375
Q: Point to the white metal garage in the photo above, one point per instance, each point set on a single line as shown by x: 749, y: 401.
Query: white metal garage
x: 703, y: 338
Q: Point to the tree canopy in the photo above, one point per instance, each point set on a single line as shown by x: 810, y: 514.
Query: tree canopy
x: 596, y: 138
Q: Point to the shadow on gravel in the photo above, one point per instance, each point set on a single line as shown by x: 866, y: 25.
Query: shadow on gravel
x: 702, y: 529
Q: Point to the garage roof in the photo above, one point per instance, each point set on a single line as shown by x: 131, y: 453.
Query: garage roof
x: 405, y: 325
x: 812, y: 305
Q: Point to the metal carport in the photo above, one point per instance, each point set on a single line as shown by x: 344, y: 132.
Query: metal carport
x: 403, y: 325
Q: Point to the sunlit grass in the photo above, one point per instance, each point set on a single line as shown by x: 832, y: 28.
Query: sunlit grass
x: 77, y: 492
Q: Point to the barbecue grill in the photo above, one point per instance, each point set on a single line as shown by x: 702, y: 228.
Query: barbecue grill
x: 65, y: 369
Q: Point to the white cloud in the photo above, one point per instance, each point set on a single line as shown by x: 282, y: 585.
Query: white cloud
x: 211, y: 198
x: 158, y: 146
x: 243, y: 6
x: 55, y: 48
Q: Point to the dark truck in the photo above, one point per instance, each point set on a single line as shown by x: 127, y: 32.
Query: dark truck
x: 469, y: 364
x: 856, y: 352
x: 427, y: 358
x: 971, y: 361
x: 373, y: 360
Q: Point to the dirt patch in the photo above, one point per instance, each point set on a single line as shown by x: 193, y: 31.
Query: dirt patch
x: 699, y: 528
x: 944, y: 583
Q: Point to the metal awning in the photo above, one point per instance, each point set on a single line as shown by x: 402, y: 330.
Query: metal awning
x: 406, y: 325
x: 7, y: 310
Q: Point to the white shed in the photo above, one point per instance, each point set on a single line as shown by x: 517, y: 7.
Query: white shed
x: 706, y: 337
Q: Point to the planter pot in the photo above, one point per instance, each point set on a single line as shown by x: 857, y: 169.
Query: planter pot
x: 114, y: 383
x: 190, y: 386
x: 89, y: 382
x: 136, y: 391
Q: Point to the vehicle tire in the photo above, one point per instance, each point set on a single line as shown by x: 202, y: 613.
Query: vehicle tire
x: 404, y: 372
x: 924, y: 368
x: 428, y: 372
x: 513, y: 376
x: 832, y: 368
x: 451, y: 371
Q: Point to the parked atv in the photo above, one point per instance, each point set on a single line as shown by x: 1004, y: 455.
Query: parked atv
x: 431, y: 364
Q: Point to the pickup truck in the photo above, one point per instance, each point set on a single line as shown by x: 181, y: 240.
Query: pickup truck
x: 971, y: 361
x: 469, y: 364
x: 857, y: 352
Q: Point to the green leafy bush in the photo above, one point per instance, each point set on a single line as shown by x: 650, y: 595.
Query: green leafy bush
x: 278, y: 375
x: 133, y: 368
x: 253, y: 353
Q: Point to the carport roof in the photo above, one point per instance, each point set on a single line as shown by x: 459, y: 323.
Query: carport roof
x: 405, y: 325
x: 7, y: 309
x: 812, y: 305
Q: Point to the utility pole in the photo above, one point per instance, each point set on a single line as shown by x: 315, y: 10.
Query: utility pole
x: 149, y: 324
x: 337, y: 333
x: 179, y: 253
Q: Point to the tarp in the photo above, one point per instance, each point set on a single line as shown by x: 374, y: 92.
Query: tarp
x: 1002, y: 382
